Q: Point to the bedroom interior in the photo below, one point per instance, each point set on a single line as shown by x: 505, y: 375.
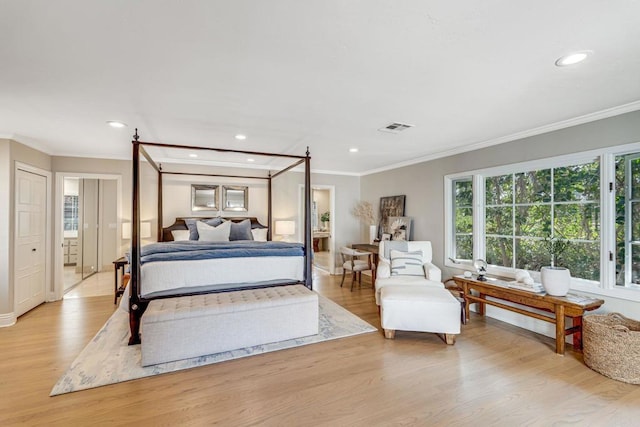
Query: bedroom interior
x: 410, y: 99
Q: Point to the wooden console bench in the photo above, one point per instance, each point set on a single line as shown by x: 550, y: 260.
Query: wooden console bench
x: 572, y: 306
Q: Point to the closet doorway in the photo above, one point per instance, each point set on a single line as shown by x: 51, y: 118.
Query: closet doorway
x: 32, y: 230
x: 89, y: 216
x: 80, y: 221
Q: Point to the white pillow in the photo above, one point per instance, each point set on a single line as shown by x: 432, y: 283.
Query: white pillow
x: 407, y: 263
x: 259, y: 234
x: 179, y: 235
x: 214, y: 234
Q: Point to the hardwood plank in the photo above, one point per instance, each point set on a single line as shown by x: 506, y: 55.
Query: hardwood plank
x: 494, y: 374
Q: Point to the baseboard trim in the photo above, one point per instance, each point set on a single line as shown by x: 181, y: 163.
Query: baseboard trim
x: 7, y: 319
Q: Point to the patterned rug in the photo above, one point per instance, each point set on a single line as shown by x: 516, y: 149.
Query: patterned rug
x: 107, y: 359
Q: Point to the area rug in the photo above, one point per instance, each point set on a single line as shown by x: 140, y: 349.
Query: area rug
x: 107, y: 359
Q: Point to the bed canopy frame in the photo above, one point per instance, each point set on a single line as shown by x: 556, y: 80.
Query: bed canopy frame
x: 138, y: 304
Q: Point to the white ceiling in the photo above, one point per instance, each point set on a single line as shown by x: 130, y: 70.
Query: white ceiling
x: 323, y: 74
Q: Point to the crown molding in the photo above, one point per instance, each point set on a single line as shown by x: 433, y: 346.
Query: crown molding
x: 591, y: 117
x: 31, y: 143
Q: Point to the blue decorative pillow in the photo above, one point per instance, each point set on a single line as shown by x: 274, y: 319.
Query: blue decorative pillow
x: 193, y: 229
x: 241, y: 230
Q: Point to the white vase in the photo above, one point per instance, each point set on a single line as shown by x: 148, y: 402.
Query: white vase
x: 373, y: 233
x: 556, y: 280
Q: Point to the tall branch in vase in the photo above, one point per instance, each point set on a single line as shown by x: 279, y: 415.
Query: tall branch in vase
x: 364, y: 212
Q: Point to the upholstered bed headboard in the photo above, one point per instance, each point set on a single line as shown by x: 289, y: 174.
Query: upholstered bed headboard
x: 179, y: 224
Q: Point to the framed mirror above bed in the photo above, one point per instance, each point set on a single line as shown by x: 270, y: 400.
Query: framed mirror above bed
x: 204, y: 197
x: 235, y: 198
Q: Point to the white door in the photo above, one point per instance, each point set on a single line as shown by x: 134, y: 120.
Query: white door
x: 31, y: 199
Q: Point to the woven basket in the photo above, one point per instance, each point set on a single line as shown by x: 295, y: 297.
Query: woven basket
x: 611, y: 345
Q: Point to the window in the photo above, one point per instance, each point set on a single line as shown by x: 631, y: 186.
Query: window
x: 70, y: 213
x: 463, y: 214
x: 506, y: 214
x: 627, y: 229
x: 525, y: 208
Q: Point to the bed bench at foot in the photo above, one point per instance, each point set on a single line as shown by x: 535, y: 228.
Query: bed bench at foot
x: 198, y: 325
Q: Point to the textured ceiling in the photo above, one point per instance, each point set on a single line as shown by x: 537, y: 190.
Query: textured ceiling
x: 324, y: 74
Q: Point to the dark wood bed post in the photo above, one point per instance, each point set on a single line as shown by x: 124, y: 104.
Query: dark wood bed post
x: 308, y: 276
x: 159, y: 236
x: 136, y: 308
x: 269, y: 204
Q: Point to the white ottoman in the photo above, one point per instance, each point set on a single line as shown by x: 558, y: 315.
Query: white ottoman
x: 419, y: 308
x: 197, y: 325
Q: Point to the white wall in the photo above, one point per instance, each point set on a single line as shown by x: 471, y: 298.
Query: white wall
x: 71, y: 186
x: 108, y: 223
x: 347, y: 193
x: 6, y: 290
x: 121, y: 168
x: 177, y: 197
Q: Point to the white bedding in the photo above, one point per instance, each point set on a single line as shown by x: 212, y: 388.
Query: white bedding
x: 171, y: 277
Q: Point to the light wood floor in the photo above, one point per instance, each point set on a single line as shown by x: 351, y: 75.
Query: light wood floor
x: 496, y: 374
x: 97, y: 284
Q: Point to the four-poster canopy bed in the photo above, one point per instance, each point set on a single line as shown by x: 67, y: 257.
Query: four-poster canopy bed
x: 291, y: 262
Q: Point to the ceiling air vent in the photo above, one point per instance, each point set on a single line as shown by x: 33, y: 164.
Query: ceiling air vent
x: 395, y: 127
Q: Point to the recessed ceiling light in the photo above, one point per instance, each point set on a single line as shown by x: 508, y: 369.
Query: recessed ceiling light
x: 353, y: 150
x: 572, y: 58
x: 116, y: 124
x: 193, y: 155
x: 250, y: 160
x: 241, y: 137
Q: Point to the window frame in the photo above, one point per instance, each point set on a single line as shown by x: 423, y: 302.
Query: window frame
x: 453, y: 230
x: 606, y: 156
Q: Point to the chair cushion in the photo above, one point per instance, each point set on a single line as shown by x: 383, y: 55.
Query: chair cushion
x: 419, y: 308
x: 404, y: 281
x: 358, y: 265
x: 406, y: 263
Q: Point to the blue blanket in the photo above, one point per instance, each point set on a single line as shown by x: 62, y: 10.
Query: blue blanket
x: 195, y: 250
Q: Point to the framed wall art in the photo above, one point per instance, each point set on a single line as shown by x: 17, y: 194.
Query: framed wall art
x: 389, y: 206
x: 235, y: 198
x: 400, y: 227
x: 204, y: 197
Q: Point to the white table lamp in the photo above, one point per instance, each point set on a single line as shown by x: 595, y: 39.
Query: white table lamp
x: 285, y: 229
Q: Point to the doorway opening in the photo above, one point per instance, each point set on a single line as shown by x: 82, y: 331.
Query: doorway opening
x: 81, y: 196
x: 323, y: 225
x: 88, y: 219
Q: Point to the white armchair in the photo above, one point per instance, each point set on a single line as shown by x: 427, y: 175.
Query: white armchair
x: 384, y: 277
